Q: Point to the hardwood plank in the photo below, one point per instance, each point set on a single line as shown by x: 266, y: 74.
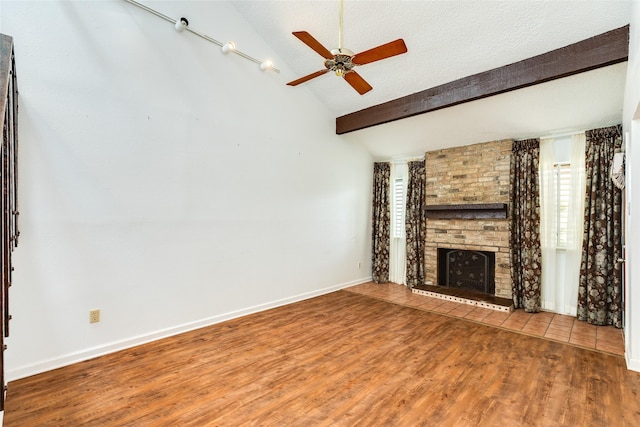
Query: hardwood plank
x: 599, y: 51
x: 338, y: 359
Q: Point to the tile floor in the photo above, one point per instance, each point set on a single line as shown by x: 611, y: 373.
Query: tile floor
x: 547, y: 325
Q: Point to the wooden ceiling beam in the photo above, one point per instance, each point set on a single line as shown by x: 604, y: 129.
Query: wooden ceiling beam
x: 599, y: 51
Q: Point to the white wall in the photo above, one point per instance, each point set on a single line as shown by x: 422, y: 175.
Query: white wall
x: 165, y: 183
x: 631, y: 124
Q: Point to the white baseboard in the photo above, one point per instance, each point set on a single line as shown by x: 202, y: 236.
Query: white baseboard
x: 632, y: 364
x: 90, y: 353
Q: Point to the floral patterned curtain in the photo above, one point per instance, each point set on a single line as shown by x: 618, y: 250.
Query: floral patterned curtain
x: 415, y: 224
x: 380, y: 236
x: 525, y: 248
x: 600, y: 288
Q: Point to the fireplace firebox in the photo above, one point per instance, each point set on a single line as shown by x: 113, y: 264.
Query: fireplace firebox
x: 467, y: 269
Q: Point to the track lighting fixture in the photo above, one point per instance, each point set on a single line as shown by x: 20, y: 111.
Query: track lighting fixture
x: 182, y: 24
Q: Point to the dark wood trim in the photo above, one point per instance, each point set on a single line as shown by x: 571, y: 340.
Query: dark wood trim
x: 599, y: 51
x: 8, y: 181
x: 467, y: 211
x: 6, y: 54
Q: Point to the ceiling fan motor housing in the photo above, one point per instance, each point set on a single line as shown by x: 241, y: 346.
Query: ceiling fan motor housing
x: 342, y: 61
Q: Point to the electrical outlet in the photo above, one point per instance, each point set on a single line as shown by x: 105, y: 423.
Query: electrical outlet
x: 94, y: 316
x: 359, y: 265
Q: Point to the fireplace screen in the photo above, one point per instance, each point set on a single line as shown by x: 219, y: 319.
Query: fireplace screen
x: 464, y: 269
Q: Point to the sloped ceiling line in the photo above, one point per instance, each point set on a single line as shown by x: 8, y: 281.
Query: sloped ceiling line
x: 599, y: 51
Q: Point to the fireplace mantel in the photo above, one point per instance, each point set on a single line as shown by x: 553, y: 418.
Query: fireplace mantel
x: 467, y: 211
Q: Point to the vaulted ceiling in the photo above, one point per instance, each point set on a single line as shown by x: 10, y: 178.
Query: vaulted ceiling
x: 449, y: 40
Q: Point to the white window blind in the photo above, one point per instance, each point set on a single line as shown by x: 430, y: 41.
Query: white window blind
x: 398, y: 208
x: 562, y: 186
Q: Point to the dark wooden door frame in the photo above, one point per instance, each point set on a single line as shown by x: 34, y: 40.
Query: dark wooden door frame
x: 9, y: 183
x: 599, y: 51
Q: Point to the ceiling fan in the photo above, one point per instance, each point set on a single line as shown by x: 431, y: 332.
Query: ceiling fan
x: 342, y: 61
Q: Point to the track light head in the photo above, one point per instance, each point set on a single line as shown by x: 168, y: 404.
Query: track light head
x: 228, y: 47
x: 181, y: 24
x: 266, y: 65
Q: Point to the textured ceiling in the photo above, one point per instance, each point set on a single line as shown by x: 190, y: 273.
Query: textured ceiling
x: 448, y: 40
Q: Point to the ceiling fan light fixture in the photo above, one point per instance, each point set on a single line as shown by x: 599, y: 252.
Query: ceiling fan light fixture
x: 340, y: 64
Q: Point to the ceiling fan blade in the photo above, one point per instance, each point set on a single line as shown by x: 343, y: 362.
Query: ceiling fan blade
x: 384, y: 51
x: 357, y: 82
x: 314, y: 44
x: 309, y: 77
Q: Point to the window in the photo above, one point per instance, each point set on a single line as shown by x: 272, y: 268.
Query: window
x: 397, y: 195
x: 562, y: 193
x: 398, y: 208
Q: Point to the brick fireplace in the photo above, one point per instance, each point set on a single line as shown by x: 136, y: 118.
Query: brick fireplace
x: 464, y: 178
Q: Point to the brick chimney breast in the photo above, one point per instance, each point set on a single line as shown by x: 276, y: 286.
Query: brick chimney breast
x: 476, y: 173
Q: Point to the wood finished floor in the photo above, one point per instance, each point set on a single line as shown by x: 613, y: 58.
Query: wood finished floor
x: 552, y: 326
x: 341, y: 359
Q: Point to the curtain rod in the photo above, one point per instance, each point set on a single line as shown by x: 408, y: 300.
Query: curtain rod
x: 405, y: 159
x: 556, y: 135
x: 562, y: 135
x: 202, y: 36
x: 568, y: 133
